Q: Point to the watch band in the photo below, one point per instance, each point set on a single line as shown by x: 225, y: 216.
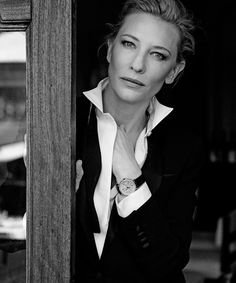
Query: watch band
x: 139, y: 181
x: 128, y: 186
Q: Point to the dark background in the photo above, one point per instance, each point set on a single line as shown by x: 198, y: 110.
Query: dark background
x: 204, y: 97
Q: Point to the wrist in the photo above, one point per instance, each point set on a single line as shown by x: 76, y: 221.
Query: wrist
x: 129, y: 175
x: 120, y: 197
x: 127, y: 186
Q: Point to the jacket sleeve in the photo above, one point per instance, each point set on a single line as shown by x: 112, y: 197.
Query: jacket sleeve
x: 158, y: 234
x: 133, y: 202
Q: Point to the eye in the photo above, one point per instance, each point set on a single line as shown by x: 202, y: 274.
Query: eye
x: 127, y: 44
x: 158, y: 55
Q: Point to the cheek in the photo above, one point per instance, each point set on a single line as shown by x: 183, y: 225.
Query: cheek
x: 155, y: 87
x: 159, y: 73
x: 157, y: 79
x: 158, y: 76
x: 114, y: 64
x: 119, y: 59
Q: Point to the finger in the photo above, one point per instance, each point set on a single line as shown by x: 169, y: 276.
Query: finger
x: 122, y: 133
x: 122, y: 128
x: 78, y: 165
x: 79, y: 173
x: 120, y: 138
x: 25, y: 150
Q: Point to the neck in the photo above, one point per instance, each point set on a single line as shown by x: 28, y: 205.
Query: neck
x: 131, y: 115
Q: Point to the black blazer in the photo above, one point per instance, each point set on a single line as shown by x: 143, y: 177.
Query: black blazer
x: 152, y: 244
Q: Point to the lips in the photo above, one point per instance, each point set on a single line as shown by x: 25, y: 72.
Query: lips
x: 134, y: 81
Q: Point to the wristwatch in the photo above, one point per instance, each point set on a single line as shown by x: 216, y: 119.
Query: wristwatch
x: 128, y: 186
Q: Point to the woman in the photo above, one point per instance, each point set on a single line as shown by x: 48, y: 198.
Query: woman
x: 136, y: 198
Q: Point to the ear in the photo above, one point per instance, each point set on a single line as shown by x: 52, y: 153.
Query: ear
x: 109, y: 49
x: 178, y: 68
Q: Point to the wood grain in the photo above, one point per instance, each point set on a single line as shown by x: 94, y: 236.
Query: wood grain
x: 50, y: 142
x: 15, y: 15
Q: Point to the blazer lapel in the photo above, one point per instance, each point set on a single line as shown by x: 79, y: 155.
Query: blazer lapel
x: 92, y: 168
x: 112, y: 230
x: 152, y: 168
x: 89, y: 152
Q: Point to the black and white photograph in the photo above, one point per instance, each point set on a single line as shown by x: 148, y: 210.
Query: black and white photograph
x: 117, y: 141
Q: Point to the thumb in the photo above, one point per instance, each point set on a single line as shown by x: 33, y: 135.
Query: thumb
x: 25, y: 150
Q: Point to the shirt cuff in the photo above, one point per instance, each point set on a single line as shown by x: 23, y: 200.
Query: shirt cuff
x: 132, y: 202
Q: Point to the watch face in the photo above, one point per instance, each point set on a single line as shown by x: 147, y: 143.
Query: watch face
x: 127, y: 186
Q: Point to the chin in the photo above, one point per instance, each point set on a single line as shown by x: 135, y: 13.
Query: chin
x: 125, y: 93
x: 130, y: 97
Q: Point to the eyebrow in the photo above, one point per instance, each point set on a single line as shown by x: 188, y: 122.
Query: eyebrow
x: 155, y: 46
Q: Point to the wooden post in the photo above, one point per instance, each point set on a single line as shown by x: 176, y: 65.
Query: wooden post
x: 51, y: 130
x: 51, y: 140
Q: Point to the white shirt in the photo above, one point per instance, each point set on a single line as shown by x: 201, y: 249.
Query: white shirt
x: 103, y: 196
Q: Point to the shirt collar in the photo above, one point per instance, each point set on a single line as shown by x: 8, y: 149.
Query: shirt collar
x: 95, y: 94
x: 157, y: 111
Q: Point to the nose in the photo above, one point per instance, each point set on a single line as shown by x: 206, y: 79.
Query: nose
x: 138, y: 63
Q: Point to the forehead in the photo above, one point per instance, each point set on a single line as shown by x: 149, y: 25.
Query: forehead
x: 151, y: 29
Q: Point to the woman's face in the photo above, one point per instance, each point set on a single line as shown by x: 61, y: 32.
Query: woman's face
x: 142, y: 57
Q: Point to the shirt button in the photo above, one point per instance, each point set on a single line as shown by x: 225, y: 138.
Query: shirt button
x: 146, y: 245
x: 138, y: 228
x: 144, y: 239
x: 99, y: 275
x: 140, y: 233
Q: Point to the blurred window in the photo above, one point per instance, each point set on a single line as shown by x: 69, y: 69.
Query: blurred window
x: 12, y: 131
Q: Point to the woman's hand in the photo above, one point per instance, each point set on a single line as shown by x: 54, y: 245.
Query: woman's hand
x: 124, y: 164
x: 25, y: 150
x: 79, y: 173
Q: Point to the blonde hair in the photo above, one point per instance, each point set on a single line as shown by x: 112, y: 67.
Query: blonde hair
x: 171, y: 11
